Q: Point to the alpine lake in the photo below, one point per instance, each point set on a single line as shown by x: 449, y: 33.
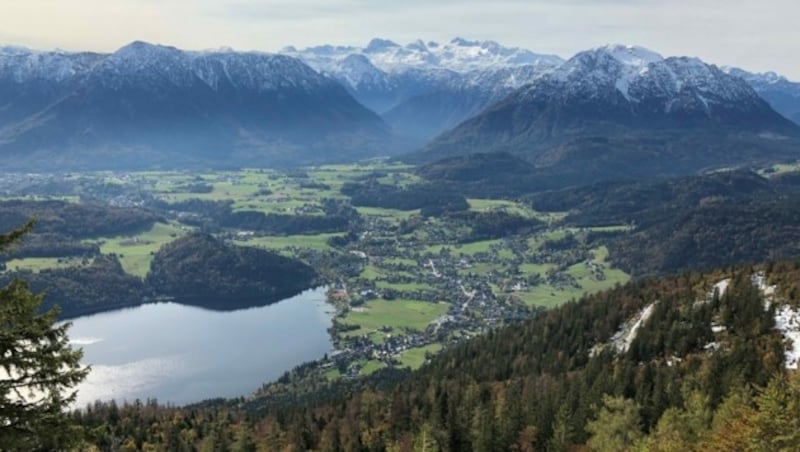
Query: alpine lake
x: 180, y: 354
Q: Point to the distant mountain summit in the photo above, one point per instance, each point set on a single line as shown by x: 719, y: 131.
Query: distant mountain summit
x: 148, y: 105
x: 626, y: 110
x: 458, y: 55
x: 422, y: 89
x: 614, y: 108
x: 782, y: 94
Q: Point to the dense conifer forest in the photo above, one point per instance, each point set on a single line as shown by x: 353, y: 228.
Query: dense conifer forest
x: 706, y: 371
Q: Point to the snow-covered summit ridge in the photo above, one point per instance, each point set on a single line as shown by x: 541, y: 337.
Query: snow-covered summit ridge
x: 141, y: 61
x: 641, y: 75
x: 22, y: 64
x: 631, y: 55
x: 767, y: 78
x: 459, y: 55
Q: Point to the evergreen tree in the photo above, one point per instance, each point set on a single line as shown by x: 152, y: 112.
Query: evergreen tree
x: 562, y: 431
x: 617, y: 426
x: 38, y: 370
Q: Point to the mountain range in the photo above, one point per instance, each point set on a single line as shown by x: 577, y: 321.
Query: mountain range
x: 782, y: 94
x: 422, y: 89
x: 621, y: 111
x: 146, y: 105
x: 613, y: 110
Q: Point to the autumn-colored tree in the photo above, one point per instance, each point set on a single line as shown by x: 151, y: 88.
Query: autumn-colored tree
x: 616, y: 426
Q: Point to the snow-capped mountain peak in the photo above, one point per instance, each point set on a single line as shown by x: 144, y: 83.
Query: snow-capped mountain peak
x: 638, y: 74
x: 782, y: 93
x: 459, y: 55
x: 22, y: 64
x: 143, y: 64
x: 760, y: 78
x: 379, y: 45
x: 15, y: 50
x: 629, y: 55
x: 140, y: 52
x: 356, y: 70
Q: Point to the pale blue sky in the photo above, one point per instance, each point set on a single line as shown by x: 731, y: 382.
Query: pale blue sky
x: 756, y: 35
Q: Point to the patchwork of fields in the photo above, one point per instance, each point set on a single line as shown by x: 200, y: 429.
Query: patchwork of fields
x: 412, y: 284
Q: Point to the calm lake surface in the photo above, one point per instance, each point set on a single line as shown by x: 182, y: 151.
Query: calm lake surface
x: 183, y: 354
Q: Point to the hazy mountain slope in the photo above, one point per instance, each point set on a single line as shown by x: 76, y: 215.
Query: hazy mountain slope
x: 422, y: 89
x: 782, y: 94
x: 154, y: 105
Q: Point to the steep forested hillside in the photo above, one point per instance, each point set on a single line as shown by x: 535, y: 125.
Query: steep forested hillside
x: 665, y: 364
x: 712, y: 235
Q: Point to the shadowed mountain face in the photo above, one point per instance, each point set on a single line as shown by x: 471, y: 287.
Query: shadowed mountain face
x: 148, y: 105
x: 625, y: 111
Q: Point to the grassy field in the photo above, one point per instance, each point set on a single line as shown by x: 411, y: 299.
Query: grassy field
x: 616, y: 228
x: 399, y: 261
x: 549, y: 296
x: 332, y: 374
x: 136, y: 252
x: 36, y: 264
x: 514, y: 208
x: 537, y: 241
x: 371, y: 366
x: 315, y: 241
x: 371, y: 272
x: 530, y: 269
x: 478, y: 247
x: 401, y: 286
x: 68, y: 198
x: 395, y: 314
x: 400, y: 179
x: 467, y: 249
x: 780, y: 168
x: 488, y: 205
x: 415, y: 357
x: 387, y: 213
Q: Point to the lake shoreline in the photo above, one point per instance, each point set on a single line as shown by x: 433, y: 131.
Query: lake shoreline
x: 183, y: 354
x: 77, y: 313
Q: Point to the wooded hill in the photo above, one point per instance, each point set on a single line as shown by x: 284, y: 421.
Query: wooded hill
x: 697, y: 222
x: 200, y: 269
x: 196, y: 269
x: 686, y: 380
x: 61, y: 226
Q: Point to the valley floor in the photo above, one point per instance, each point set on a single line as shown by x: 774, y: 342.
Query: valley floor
x: 404, y: 287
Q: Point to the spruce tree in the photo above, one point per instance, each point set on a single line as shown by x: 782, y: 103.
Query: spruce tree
x: 38, y: 369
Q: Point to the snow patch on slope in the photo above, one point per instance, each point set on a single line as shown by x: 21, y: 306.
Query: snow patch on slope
x: 760, y: 280
x: 787, y: 318
x: 21, y: 64
x: 787, y: 321
x: 721, y: 287
x: 622, y: 340
x: 634, y: 56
